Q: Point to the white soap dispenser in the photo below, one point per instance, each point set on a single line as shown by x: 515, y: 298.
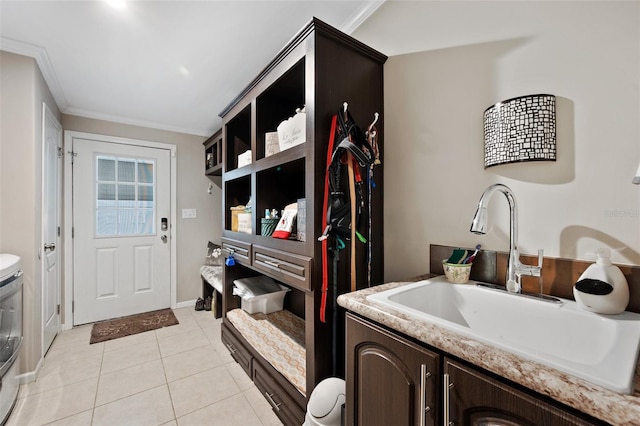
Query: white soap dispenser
x: 602, y: 287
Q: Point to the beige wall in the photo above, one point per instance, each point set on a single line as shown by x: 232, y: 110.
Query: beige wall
x: 448, y: 62
x: 192, y: 234
x: 22, y: 92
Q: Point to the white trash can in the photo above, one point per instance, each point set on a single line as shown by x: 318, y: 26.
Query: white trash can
x: 325, y: 404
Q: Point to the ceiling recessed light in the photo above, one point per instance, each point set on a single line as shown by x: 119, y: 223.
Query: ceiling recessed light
x: 117, y: 4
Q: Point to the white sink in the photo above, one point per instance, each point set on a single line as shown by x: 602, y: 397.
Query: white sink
x: 602, y: 349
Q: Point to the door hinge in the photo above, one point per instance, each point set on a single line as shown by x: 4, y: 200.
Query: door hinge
x: 58, y: 309
x: 60, y: 152
x: 73, y: 306
x: 73, y: 154
x: 58, y: 231
x: 73, y: 232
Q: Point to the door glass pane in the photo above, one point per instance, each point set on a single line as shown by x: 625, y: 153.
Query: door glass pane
x: 145, y: 193
x: 145, y: 221
x: 106, y: 169
x: 145, y: 172
x: 126, y: 222
x: 125, y: 196
x: 106, y: 194
x: 106, y: 222
x: 126, y: 170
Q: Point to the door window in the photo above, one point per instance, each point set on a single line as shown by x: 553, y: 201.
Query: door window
x: 125, y: 196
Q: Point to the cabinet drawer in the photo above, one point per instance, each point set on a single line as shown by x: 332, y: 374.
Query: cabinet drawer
x: 281, y: 403
x: 289, y: 268
x: 237, y: 349
x: 241, y: 250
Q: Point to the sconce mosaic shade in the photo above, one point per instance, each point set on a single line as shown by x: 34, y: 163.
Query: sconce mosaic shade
x: 520, y: 129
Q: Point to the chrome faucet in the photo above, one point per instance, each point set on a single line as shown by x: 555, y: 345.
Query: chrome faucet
x: 515, y: 269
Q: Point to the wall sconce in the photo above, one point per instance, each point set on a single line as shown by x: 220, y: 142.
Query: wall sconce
x: 520, y: 129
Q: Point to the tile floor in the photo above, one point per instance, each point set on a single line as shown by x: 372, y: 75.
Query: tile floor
x: 178, y: 375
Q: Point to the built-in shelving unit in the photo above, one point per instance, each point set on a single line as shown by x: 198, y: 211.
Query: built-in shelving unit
x: 319, y: 70
x: 213, y: 155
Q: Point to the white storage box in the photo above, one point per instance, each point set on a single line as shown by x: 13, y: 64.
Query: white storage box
x: 271, y: 144
x: 244, y: 222
x: 244, y: 159
x: 293, y: 131
x: 265, y: 303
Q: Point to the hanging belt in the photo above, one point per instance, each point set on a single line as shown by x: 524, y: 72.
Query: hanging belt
x: 325, y: 205
x: 352, y: 197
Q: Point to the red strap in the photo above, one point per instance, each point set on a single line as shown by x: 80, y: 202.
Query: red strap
x: 325, y: 206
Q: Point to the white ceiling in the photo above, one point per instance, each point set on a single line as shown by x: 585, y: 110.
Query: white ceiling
x: 171, y: 65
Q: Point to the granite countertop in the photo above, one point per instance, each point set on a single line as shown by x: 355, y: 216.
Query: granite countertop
x: 601, y: 403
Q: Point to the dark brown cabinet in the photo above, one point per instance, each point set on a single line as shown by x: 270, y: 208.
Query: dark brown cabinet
x: 385, y: 385
x: 475, y: 399
x: 213, y: 155
x: 319, y: 70
x: 390, y: 380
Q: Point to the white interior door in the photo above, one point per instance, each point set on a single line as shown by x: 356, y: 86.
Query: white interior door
x: 51, y: 195
x: 121, y: 212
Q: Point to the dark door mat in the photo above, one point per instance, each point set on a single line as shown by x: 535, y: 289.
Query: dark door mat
x: 134, y: 324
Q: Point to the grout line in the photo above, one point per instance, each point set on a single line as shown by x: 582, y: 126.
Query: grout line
x: 95, y: 397
x: 164, y: 371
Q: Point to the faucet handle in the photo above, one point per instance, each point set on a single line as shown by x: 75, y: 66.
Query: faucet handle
x: 540, y: 258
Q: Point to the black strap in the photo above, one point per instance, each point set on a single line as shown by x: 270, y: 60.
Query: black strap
x: 363, y: 158
x: 352, y: 133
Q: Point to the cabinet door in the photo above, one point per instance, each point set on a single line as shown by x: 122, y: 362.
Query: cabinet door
x: 390, y: 380
x: 471, y: 398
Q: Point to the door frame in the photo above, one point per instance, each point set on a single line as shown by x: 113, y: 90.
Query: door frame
x: 69, y: 137
x: 47, y: 114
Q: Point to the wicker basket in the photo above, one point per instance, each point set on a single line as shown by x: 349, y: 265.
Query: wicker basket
x: 268, y: 226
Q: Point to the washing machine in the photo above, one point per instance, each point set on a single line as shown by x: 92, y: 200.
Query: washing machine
x: 10, y: 331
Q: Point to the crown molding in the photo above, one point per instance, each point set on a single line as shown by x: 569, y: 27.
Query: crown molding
x: 361, y: 15
x: 42, y: 59
x: 139, y: 123
x: 39, y: 54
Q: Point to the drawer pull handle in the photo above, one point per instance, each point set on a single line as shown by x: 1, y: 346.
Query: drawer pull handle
x: 231, y: 349
x: 424, y: 408
x: 447, y: 387
x: 272, y: 402
x: 272, y: 263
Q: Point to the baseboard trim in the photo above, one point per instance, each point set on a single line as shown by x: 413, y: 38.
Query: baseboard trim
x: 188, y: 303
x: 30, y: 376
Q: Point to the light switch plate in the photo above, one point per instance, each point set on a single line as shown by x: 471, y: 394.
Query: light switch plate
x: 189, y: 213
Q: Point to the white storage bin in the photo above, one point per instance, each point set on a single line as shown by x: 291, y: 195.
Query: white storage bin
x: 244, y: 223
x: 265, y: 303
x: 244, y: 159
x: 293, y: 131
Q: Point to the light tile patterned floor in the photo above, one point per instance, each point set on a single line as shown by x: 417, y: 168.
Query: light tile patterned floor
x: 178, y: 375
